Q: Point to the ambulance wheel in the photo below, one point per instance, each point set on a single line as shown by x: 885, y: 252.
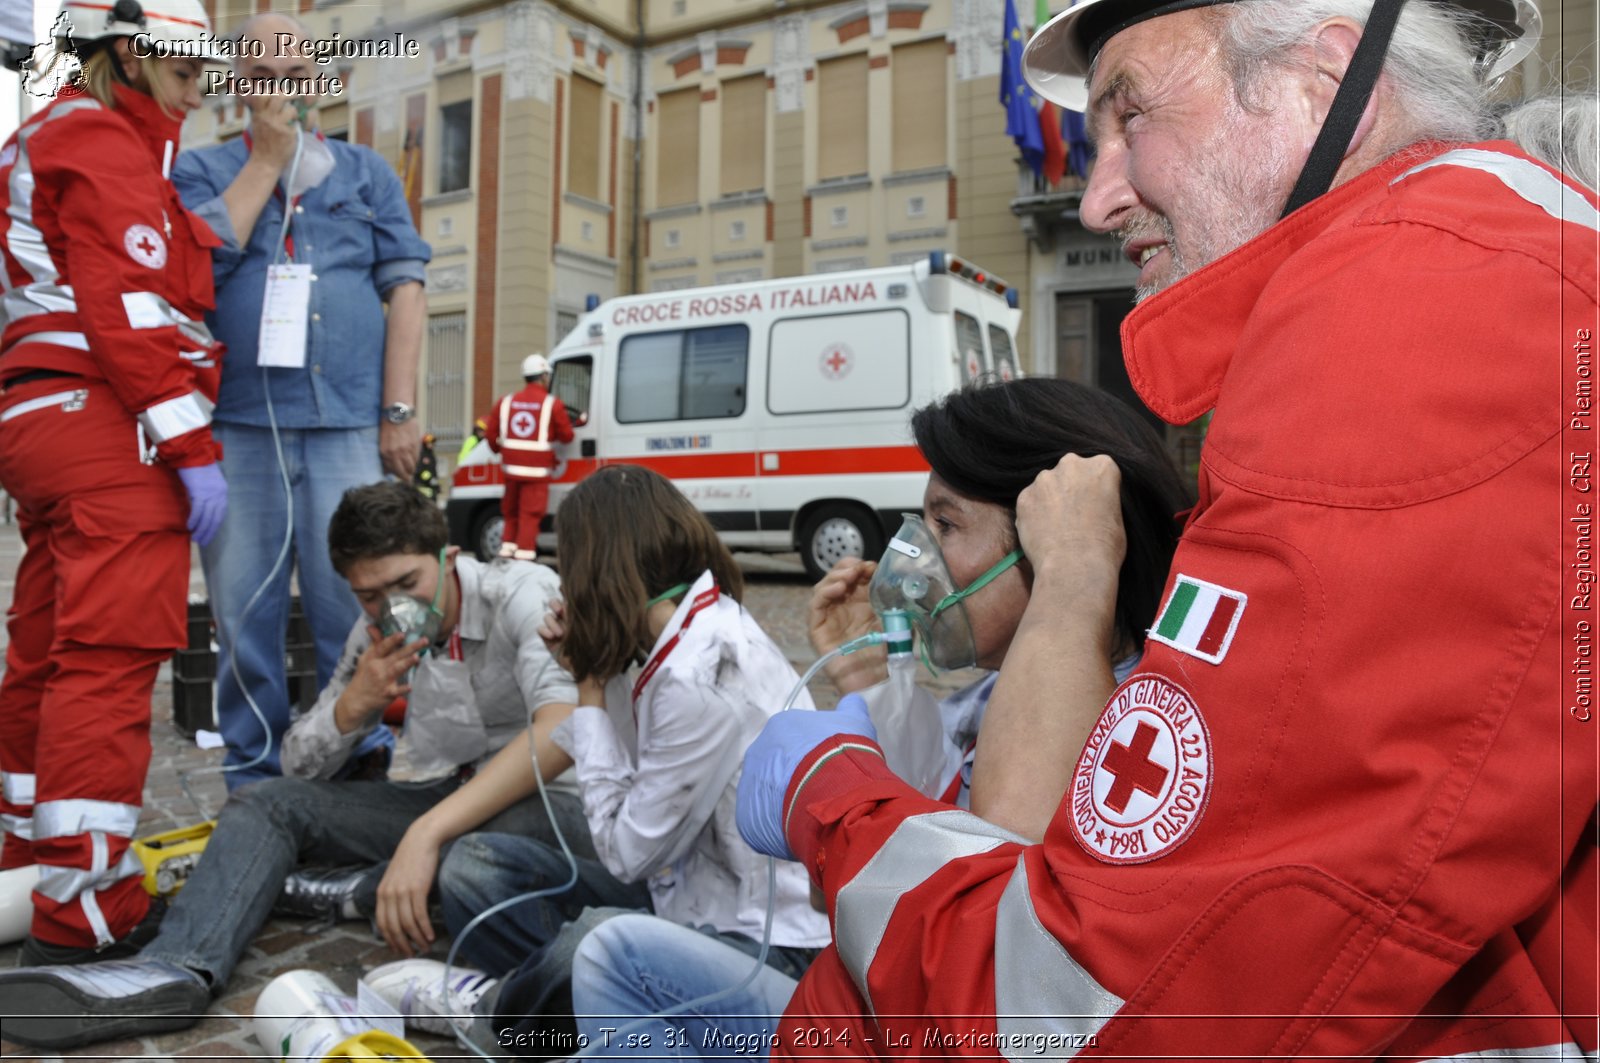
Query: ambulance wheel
x: 488, y: 529
x: 836, y: 530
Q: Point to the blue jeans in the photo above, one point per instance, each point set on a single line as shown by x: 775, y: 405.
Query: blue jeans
x: 322, y: 464
x: 269, y: 827
x: 639, y: 965
x: 486, y: 868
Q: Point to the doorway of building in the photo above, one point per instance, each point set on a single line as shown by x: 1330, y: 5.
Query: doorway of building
x: 1088, y: 346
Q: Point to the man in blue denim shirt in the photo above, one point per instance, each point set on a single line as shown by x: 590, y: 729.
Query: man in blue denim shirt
x: 343, y: 418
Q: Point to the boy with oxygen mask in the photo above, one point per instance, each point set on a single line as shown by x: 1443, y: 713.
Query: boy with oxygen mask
x: 955, y: 579
x: 460, y: 641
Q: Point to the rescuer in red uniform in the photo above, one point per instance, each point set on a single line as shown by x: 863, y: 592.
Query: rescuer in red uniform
x: 107, y: 377
x: 1345, y: 807
x: 522, y: 429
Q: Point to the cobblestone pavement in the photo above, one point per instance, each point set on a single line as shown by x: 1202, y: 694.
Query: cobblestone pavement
x: 776, y: 594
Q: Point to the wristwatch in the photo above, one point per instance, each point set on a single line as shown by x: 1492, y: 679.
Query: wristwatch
x: 399, y: 412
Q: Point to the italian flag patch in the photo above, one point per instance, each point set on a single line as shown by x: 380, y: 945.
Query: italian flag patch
x: 1199, y: 618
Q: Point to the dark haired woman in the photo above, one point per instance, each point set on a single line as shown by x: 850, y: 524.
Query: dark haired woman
x: 675, y: 678
x: 984, y: 445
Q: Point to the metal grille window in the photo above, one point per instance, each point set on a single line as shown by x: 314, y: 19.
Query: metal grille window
x: 672, y: 376
x: 446, y: 381
x: 566, y: 321
x: 571, y: 380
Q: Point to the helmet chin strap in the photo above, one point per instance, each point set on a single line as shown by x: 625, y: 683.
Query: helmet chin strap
x: 1355, y: 90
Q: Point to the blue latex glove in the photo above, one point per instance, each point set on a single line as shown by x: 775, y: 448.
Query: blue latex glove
x: 208, y: 500
x: 772, y: 758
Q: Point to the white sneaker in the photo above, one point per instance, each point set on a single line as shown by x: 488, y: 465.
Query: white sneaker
x: 508, y: 550
x: 415, y: 988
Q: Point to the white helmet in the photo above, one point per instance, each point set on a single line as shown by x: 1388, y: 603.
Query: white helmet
x: 1056, y: 61
x: 173, y: 27
x: 535, y: 365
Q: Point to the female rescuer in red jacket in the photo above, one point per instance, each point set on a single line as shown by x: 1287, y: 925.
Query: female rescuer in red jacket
x: 107, y: 377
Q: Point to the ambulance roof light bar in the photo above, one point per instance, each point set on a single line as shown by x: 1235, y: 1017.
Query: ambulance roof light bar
x: 939, y: 262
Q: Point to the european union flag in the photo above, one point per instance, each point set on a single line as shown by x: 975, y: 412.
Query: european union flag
x: 1022, y: 106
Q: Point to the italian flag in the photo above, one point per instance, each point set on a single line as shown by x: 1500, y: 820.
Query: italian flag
x: 1199, y: 618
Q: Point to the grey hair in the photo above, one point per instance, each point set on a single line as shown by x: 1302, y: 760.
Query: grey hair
x: 1561, y: 130
x: 1431, y: 67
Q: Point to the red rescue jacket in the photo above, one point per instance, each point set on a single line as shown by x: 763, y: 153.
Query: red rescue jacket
x: 523, y: 428
x: 1346, y: 807
x: 107, y: 276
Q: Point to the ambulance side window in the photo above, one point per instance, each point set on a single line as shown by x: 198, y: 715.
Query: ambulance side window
x: 571, y: 379
x: 1005, y: 359
x: 969, y: 347
x: 686, y: 373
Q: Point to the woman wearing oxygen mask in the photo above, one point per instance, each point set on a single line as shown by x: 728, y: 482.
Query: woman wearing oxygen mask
x: 108, y: 377
x: 956, y: 576
x: 674, y: 680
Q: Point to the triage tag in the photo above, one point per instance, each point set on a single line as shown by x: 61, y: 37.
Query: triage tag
x: 284, y: 308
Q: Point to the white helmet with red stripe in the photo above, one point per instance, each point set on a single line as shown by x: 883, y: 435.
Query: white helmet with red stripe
x: 1056, y: 61
x: 173, y: 27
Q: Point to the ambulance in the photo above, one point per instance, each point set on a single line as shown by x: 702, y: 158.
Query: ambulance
x: 781, y: 408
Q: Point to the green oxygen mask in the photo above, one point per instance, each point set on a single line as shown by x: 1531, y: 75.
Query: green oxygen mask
x: 418, y: 620
x: 913, y: 580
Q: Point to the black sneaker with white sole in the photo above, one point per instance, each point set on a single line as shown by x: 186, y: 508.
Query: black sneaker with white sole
x: 64, y: 1007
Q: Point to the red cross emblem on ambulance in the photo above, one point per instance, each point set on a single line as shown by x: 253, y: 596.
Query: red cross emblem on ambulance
x: 837, y: 361
x: 1142, y: 781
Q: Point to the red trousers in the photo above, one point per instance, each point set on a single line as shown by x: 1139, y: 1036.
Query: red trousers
x: 523, y: 509
x: 99, y: 604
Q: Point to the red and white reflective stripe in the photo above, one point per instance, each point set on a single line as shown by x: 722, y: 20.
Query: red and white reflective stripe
x: 1531, y: 182
x: 1562, y: 1052
x: 1040, y: 990
x: 70, y: 400
x: 171, y: 419
x: 702, y: 601
x: 98, y: 819
x: 537, y: 472
x: 76, y: 340
x: 541, y: 439
x: 149, y: 310
x: 24, y: 243
x: 18, y: 788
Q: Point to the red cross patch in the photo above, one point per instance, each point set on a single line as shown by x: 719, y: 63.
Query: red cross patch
x: 145, y: 246
x: 837, y: 361
x: 1145, y: 773
x: 522, y: 424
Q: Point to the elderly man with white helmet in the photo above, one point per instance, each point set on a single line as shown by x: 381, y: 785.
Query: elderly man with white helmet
x: 1345, y: 807
x: 523, y: 428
